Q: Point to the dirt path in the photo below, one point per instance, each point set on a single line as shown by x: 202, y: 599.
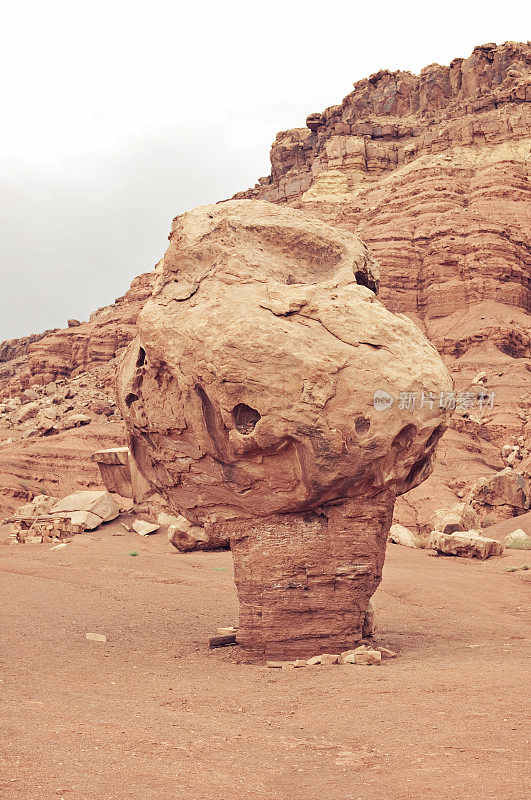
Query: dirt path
x: 152, y: 714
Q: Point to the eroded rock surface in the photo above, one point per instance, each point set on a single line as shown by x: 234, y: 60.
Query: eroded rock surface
x: 249, y: 400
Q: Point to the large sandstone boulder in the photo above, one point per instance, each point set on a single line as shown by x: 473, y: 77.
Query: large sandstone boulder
x: 503, y: 495
x: 458, y: 517
x: 88, y: 509
x: 249, y: 400
x: 468, y: 544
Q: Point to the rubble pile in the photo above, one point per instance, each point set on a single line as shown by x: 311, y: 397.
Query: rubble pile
x: 59, y: 406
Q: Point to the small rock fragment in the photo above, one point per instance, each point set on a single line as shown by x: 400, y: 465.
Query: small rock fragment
x: 274, y: 664
x: 328, y: 659
x: 145, y: 528
x: 311, y: 662
x: 95, y: 637
x: 368, y: 657
x: 386, y: 652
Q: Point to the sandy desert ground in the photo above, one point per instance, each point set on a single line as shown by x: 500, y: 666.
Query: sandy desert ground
x: 153, y: 714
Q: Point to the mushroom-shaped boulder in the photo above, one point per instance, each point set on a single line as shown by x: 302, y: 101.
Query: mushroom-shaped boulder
x: 270, y: 394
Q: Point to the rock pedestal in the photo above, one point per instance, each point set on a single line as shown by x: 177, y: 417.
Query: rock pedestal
x: 304, y: 580
x: 270, y: 396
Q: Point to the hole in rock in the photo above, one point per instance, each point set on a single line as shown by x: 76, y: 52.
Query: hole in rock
x: 245, y: 418
x: 365, y: 279
x: 435, y: 435
x: 404, y: 439
x: 141, y: 358
x: 362, y: 425
x: 416, y: 469
x: 130, y: 399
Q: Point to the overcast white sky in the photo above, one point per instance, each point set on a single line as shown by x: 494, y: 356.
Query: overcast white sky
x: 119, y: 115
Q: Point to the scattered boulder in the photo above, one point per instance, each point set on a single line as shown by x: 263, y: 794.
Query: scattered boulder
x: 367, y: 656
x: 468, y: 544
x: 145, y: 528
x: 327, y: 659
x: 30, y: 394
x: 510, y: 454
x: 73, y: 323
x: 518, y: 540
x: 85, y: 520
x: 505, y: 494
x: 386, y: 652
x: 398, y: 534
x: 459, y: 517
x: 165, y: 520
x: 76, y: 420
x: 186, y: 536
x: 25, y: 412
x: 98, y: 507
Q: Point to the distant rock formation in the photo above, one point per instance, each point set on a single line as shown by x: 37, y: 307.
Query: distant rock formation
x: 432, y: 172
x: 70, y: 351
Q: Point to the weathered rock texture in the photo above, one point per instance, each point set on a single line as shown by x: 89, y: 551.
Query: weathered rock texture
x: 248, y: 397
x: 432, y: 172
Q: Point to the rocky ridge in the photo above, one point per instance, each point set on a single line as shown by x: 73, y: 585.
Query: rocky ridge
x: 432, y: 172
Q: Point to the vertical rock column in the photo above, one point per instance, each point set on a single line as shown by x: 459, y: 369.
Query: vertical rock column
x: 304, y: 580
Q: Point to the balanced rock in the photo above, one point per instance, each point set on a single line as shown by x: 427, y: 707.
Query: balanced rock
x: 469, y: 544
x: 248, y: 397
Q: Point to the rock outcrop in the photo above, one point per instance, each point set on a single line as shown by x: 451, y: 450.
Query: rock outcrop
x: 432, y: 172
x: 501, y: 496
x: 71, y: 351
x: 249, y: 400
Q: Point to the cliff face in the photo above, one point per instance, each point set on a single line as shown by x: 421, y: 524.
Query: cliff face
x: 432, y: 172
